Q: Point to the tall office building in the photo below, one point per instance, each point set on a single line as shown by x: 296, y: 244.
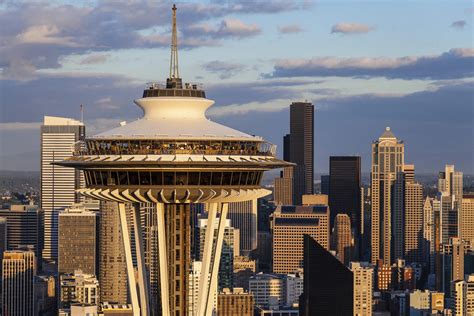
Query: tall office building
x: 413, y: 205
x: 344, y: 189
x: 78, y: 240
x: 78, y: 287
x: 302, y: 147
x: 268, y: 290
x: 193, y: 289
x: 342, y: 237
x: 466, y: 218
x: 58, y: 184
x: 174, y: 156
x: 112, y: 266
x: 236, y: 302
x: 328, y: 284
x: 447, y: 207
x: 24, y: 227
x: 363, y: 274
x: 325, y: 182
x: 230, y: 241
x: 387, y: 197
x: 18, y: 273
x: 243, y: 216
x: 283, y: 187
x: 289, y: 225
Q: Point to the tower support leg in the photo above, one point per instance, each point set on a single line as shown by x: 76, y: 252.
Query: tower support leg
x: 163, y: 262
x: 142, y: 274
x: 216, y: 258
x: 128, y: 259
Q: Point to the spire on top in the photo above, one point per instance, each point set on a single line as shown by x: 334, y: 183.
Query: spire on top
x: 174, y: 81
x: 174, y: 72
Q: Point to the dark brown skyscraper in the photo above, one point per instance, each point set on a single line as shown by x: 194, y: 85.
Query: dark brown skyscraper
x: 302, y: 147
x: 344, y: 189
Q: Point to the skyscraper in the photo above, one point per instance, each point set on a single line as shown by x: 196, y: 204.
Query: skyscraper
x: 58, y: 184
x: 363, y: 287
x: 289, y: 225
x: 283, y: 187
x: 3, y: 236
x: 413, y: 221
x: 78, y: 241
x: 387, y: 197
x: 18, y: 272
x: 302, y: 147
x: 112, y: 271
x: 344, y: 189
x: 328, y: 284
x: 450, y: 181
x: 24, y: 227
x: 342, y: 236
x: 466, y: 222
x: 243, y: 216
x: 464, y: 296
x: 174, y: 156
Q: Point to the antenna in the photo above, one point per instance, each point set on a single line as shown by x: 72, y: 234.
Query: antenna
x: 82, y: 113
x: 174, y: 72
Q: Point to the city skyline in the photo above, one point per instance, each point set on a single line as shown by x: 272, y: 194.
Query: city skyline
x: 372, y: 87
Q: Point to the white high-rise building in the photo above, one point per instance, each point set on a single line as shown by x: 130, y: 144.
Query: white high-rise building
x: 363, y: 274
x: 58, y: 184
x: 193, y: 289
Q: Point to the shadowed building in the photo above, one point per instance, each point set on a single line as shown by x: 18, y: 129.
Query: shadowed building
x: 328, y: 284
x: 302, y: 148
x: 414, y: 208
x: 344, y: 189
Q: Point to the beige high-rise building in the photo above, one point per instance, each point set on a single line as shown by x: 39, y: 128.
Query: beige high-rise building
x: 463, y: 296
x: 77, y: 240
x: 387, y: 197
x: 283, y: 187
x: 112, y: 272
x: 78, y: 287
x: 451, y: 182
x: 235, y: 303
x: 363, y: 274
x: 414, y: 207
x: 342, y: 236
x: 466, y: 218
x: 289, y: 224
x: 429, y: 233
x: 18, y: 272
x: 315, y: 199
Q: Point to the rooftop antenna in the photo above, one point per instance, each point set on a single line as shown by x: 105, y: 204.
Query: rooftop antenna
x: 82, y: 113
x: 174, y: 72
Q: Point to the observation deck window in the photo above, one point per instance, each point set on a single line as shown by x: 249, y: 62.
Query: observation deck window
x: 168, y: 178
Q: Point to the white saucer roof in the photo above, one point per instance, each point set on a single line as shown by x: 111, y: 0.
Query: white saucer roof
x: 175, y: 118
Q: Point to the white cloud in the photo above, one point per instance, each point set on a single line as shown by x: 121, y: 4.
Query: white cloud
x: 241, y: 109
x: 290, y: 29
x: 351, y: 28
x: 45, y: 34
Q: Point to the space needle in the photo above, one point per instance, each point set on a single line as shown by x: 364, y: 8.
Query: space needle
x: 174, y: 156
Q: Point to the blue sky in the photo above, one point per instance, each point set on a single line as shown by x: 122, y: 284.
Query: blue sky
x: 365, y: 65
